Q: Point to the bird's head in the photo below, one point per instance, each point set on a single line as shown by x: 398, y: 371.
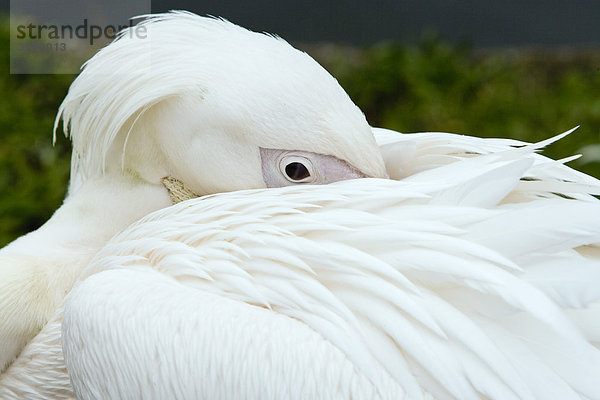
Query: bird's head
x: 215, y: 106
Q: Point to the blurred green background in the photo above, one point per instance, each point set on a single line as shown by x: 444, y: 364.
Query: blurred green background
x: 430, y: 86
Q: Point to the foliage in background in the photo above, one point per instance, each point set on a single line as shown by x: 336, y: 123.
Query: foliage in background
x: 33, y: 173
x: 434, y: 86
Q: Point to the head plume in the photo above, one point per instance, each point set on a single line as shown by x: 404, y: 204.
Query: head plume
x: 249, y: 82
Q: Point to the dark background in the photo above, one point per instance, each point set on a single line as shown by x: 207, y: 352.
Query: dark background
x: 483, y: 23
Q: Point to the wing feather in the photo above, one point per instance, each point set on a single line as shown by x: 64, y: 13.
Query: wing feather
x: 461, y: 281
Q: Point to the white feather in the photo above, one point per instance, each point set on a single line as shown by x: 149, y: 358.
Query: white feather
x: 178, y: 98
x: 447, y: 306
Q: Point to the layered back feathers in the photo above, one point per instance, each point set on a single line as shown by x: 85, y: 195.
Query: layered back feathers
x: 430, y: 280
x: 444, y: 284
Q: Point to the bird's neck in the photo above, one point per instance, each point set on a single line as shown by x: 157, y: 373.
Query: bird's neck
x: 91, y: 216
x: 39, y: 269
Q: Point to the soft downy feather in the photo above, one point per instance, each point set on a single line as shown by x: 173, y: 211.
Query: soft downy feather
x: 445, y: 286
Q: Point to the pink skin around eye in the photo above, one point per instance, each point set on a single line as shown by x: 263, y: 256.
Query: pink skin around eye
x: 325, y: 168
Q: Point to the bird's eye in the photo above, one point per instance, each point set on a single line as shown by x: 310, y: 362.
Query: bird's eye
x: 296, y: 171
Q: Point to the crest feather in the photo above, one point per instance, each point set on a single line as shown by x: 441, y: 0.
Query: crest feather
x: 127, y: 78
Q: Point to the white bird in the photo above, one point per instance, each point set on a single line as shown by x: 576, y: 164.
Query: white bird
x: 475, y: 276
x: 470, y: 278
x: 180, y: 98
x: 463, y: 281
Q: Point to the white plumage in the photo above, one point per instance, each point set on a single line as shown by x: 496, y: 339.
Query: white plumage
x: 474, y: 274
x: 432, y: 286
x: 193, y: 100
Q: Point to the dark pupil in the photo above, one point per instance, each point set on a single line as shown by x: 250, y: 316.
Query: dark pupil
x: 296, y: 171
